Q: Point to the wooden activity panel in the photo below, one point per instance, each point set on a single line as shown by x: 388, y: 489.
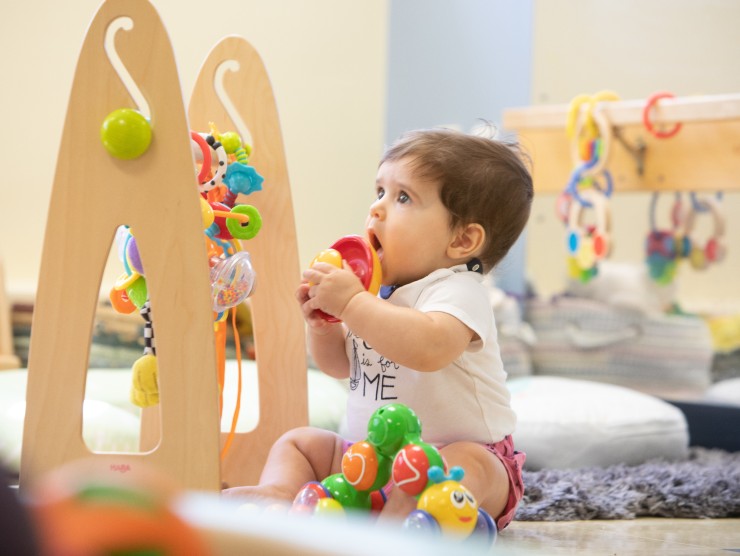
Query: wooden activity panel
x: 127, y: 62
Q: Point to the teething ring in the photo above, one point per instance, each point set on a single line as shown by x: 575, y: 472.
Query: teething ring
x: 120, y: 302
x: 668, y: 244
x: 220, y: 168
x: 652, y: 102
x: 125, y: 280
x: 584, y: 127
x: 577, y: 176
x: 205, y: 168
x: 240, y: 229
x: 592, y: 243
x: 713, y: 250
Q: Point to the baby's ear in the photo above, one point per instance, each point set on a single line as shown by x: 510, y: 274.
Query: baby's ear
x: 467, y: 242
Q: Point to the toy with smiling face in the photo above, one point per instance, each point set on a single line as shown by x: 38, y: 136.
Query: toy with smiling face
x: 448, y: 507
x: 394, y: 452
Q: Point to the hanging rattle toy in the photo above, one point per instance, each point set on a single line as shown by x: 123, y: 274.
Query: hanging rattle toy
x: 665, y: 248
x: 587, y: 244
x: 361, y: 258
x: 702, y: 255
x: 589, y: 186
x: 224, y: 173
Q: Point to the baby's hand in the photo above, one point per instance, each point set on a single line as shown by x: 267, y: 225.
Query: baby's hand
x: 314, y: 321
x: 331, y: 288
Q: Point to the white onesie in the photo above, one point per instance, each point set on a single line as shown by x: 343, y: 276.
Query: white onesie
x: 468, y: 399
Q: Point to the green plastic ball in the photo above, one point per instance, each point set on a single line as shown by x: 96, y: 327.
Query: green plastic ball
x: 126, y: 133
x: 344, y: 493
x: 391, y: 427
x: 231, y: 141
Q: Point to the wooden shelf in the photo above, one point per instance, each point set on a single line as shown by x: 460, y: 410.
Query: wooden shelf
x: 703, y: 156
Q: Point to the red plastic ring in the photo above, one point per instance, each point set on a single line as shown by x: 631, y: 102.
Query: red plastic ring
x: 205, y: 168
x: 651, y: 102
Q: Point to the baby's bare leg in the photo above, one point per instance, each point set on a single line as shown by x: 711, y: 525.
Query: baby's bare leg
x: 485, y: 475
x: 299, y: 456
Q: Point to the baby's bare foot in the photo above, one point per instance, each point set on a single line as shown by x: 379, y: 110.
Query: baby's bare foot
x: 397, y: 508
x: 262, y: 493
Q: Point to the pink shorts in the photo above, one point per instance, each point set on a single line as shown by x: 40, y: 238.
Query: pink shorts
x: 513, y: 462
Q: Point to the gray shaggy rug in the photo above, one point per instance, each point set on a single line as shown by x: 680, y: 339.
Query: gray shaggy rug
x: 706, y: 485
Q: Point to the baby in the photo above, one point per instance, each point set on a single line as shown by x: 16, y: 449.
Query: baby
x: 448, y: 206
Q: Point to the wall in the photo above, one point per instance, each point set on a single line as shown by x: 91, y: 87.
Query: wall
x: 332, y: 63
x: 327, y: 64
x: 459, y: 67
x: 635, y: 48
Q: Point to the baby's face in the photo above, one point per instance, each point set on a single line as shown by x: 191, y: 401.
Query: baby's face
x: 408, y: 225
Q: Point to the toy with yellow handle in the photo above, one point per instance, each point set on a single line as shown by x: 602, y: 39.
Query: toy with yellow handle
x: 361, y: 258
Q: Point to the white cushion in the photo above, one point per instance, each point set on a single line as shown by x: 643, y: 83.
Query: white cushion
x: 106, y: 428
x: 327, y: 398
x: 725, y: 391
x: 111, y: 421
x: 568, y: 423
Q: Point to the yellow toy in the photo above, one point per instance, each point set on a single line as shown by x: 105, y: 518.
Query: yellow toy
x: 361, y: 258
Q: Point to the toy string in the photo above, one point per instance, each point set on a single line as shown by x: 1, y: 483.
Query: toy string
x: 235, y: 416
x: 221, y: 363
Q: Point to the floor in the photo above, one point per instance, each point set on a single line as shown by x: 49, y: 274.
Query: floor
x: 228, y: 529
x: 640, y: 536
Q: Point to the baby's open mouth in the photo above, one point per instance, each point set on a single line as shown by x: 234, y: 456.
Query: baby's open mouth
x: 373, y: 239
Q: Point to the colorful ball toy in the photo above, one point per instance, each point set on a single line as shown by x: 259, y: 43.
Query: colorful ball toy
x: 394, y: 451
x: 126, y: 134
x: 83, y: 510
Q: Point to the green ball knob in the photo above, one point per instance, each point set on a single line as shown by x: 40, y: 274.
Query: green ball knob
x: 231, y: 141
x: 126, y: 133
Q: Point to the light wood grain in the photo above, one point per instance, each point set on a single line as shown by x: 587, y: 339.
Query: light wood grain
x: 92, y: 194
x: 278, y: 326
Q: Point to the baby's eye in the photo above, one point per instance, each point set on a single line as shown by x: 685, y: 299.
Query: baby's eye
x: 380, y: 193
x: 403, y: 197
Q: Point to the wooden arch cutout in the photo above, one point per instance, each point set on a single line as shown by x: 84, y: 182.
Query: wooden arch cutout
x: 277, y: 323
x: 93, y: 193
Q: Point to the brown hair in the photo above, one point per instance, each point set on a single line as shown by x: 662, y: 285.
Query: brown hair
x: 483, y: 181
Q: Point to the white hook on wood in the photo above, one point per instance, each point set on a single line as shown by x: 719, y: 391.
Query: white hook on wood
x: 223, y: 96
x: 125, y: 23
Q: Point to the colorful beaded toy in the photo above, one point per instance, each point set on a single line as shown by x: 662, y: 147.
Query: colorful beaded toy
x: 220, y: 178
x: 394, y: 451
x: 590, y: 186
x: 666, y: 248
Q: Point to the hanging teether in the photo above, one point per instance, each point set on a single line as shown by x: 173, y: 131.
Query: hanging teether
x: 144, y: 385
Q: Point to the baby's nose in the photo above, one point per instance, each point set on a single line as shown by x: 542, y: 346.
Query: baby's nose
x: 376, y: 209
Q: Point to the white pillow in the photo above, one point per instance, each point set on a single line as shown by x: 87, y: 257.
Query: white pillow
x: 725, y: 391
x: 106, y: 428
x: 327, y: 398
x: 111, y: 421
x: 567, y: 423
